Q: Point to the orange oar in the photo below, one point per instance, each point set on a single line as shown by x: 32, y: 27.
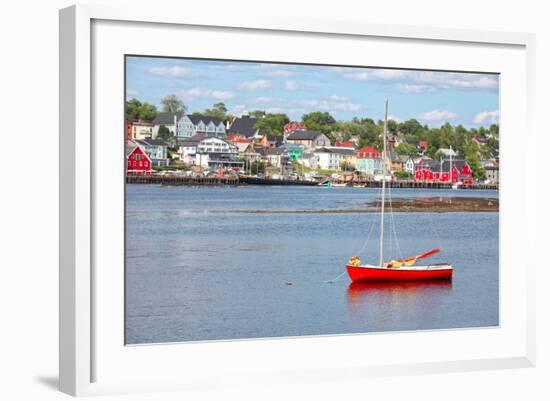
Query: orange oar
x: 421, y: 256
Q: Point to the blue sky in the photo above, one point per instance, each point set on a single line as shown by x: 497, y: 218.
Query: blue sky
x: 470, y: 99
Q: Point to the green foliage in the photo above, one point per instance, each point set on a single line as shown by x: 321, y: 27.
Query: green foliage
x: 402, y: 175
x: 219, y: 110
x: 164, y: 133
x: 257, y: 113
x: 406, y: 149
x: 320, y: 121
x: 272, y: 124
x: 472, y: 157
x: 257, y: 167
x: 135, y: 110
x: 172, y: 104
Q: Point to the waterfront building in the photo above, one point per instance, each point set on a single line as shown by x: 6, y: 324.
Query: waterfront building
x: 244, y: 126
x: 187, y: 125
x: 214, y: 153
x: 274, y: 156
x: 156, y: 149
x: 308, y: 139
x: 408, y: 165
x: 128, y: 130
x: 141, y: 129
x: 492, y: 174
x: 137, y: 161
x: 369, y: 161
x: 444, y: 171
x: 333, y: 158
x: 170, y: 120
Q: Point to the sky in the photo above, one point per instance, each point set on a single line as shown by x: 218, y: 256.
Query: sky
x: 432, y: 97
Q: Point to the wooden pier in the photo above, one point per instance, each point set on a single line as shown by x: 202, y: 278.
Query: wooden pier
x: 233, y: 181
x: 182, y: 180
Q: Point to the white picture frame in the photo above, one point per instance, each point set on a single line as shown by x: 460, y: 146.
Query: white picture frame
x: 86, y: 331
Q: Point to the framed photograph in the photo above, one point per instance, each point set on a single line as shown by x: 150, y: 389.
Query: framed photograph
x: 290, y: 200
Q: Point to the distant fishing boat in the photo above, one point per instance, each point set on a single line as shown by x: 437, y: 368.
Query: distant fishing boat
x: 403, y: 269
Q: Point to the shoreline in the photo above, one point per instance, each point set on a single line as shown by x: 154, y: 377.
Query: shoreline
x: 400, y: 205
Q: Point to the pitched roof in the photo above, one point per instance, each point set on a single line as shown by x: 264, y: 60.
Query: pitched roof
x: 167, y: 118
x: 458, y: 163
x: 151, y: 142
x: 196, y: 118
x: 244, y: 126
x: 304, y: 135
x: 275, y: 151
x: 130, y: 147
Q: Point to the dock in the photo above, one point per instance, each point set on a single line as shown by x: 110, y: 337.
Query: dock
x: 181, y: 180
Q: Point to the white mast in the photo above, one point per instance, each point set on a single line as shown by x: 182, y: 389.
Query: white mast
x: 383, y: 185
x: 451, y: 164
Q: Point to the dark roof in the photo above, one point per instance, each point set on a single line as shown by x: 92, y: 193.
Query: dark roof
x: 275, y: 151
x: 274, y: 138
x: 130, y: 147
x: 429, y: 163
x: 190, y: 142
x: 151, y: 142
x: 458, y: 163
x: 196, y: 118
x: 304, y: 135
x: 244, y: 126
x: 167, y: 118
x: 342, y: 151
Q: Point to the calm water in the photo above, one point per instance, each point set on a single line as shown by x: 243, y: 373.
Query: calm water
x: 198, y: 268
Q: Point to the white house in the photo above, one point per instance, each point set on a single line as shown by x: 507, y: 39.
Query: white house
x: 185, y: 126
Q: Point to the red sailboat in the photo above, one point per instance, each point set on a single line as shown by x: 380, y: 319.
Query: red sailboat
x: 400, y: 269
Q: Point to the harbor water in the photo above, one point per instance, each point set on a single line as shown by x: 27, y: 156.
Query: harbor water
x: 217, y: 263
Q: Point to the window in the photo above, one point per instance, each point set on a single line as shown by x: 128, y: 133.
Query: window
x: 140, y: 164
x: 138, y: 157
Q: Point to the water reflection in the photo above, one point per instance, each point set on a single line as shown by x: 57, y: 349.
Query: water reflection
x: 397, y: 294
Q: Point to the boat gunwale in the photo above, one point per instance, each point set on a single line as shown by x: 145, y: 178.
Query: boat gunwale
x: 434, y: 267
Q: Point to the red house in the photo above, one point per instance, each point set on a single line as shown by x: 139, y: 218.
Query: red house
x: 129, y: 132
x: 137, y: 161
x: 344, y: 144
x: 433, y: 171
x: 368, y: 152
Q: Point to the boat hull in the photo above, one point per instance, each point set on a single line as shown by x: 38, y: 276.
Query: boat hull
x: 375, y: 273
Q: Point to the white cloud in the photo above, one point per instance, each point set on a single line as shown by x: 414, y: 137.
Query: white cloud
x: 359, y: 75
x: 337, y: 98
x: 328, y: 105
x: 486, y: 117
x: 455, y: 80
x: 171, y: 72
x: 258, y: 84
x: 277, y: 73
x: 425, y: 81
x: 437, y: 115
x: 413, y: 88
x: 389, y: 74
x: 264, y: 100
x: 202, y: 93
x: 291, y: 85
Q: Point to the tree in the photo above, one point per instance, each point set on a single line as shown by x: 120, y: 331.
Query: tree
x: 132, y: 109
x: 172, y: 104
x: 319, y: 121
x: 218, y: 110
x: 405, y: 149
x: 272, y: 124
x: 147, y: 112
x: 257, y: 113
x: 164, y: 133
x: 135, y: 110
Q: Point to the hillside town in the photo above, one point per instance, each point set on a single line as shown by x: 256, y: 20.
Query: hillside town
x: 261, y: 144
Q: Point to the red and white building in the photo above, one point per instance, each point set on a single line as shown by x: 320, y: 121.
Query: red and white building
x: 444, y: 171
x: 137, y: 161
